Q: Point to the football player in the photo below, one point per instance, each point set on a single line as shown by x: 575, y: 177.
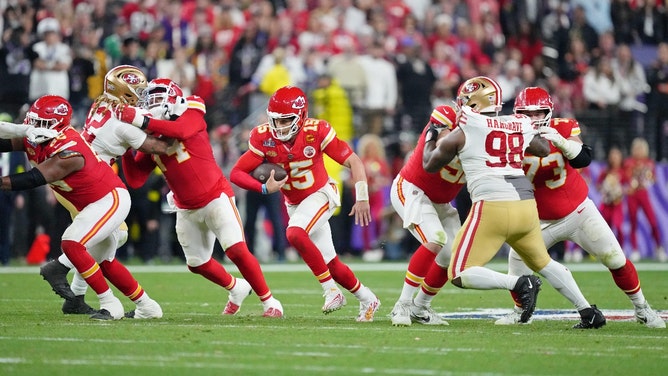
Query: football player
x: 422, y: 200
x: 491, y: 149
x: 298, y: 143
x: 95, y: 196
x: 564, y: 208
x: 110, y: 138
x: 199, y: 193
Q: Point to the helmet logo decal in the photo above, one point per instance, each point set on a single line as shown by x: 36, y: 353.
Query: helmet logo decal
x: 299, y: 103
x: 61, y: 109
x: 131, y: 78
x: 471, y: 87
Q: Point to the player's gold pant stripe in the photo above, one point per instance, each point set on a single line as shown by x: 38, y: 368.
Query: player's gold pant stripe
x: 316, y: 217
x: 104, y: 219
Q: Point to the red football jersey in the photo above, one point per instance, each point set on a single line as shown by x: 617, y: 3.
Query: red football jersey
x: 638, y: 173
x: 189, y: 165
x: 81, y: 188
x: 559, y: 188
x: 303, y: 157
x: 440, y: 187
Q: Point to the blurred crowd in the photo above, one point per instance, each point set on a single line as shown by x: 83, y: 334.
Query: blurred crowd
x: 373, y: 68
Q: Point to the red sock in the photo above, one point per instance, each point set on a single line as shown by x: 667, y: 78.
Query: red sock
x: 626, y: 278
x: 85, y: 265
x: 435, y: 279
x: 250, y: 268
x: 343, y: 275
x: 308, y: 251
x: 418, y: 266
x: 214, y: 272
x: 120, y: 277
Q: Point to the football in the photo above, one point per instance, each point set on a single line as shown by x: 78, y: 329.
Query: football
x: 263, y: 171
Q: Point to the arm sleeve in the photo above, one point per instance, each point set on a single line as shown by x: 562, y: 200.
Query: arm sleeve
x: 11, y: 130
x: 240, y: 174
x: 137, y: 168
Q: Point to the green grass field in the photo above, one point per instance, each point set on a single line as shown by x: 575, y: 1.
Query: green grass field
x: 193, y: 338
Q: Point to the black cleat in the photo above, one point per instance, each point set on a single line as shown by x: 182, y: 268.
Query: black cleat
x: 102, y: 315
x: 590, y: 318
x: 129, y: 314
x: 527, y: 288
x: 56, y: 274
x: 77, y: 307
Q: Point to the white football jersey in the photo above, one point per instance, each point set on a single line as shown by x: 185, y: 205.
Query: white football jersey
x: 109, y: 137
x: 492, y: 155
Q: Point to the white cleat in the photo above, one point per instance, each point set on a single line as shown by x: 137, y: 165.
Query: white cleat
x: 368, y: 310
x: 272, y: 308
x: 334, y: 300
x: 111, y: 309
x: 426, y: 315
x: 238, y: 293
x: 401, y: 314
x: 512, y: 318
x: 149, y: 309
x: 646, y: 315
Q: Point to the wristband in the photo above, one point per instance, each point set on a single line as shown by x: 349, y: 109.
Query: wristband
x: 264, y: 189
x: 27, y: 180
x: 144, y: 123
x: 361, y: 191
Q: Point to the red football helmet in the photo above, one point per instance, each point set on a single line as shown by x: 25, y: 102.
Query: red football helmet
x: 50, y: 111
x: 287, y: 102
x: 444, y: 116
x: 480, y: 93
x: 535, y: 99
x: 159, y: 91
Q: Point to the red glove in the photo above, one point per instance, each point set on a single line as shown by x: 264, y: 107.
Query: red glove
x: 131, y: 115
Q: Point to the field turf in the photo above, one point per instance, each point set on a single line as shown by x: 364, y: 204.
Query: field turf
x: 194, y: 339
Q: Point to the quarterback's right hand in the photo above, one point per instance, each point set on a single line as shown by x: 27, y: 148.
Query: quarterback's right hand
x: 39, y: 135
x: 129, y: 114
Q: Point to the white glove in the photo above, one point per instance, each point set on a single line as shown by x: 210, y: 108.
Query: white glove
x: 569, y: 148
x: 551, y: 134
x: 177, y: 108
x: 39, y: 135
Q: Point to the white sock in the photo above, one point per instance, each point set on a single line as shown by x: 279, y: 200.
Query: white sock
x: 328, y: 285
x: 422, y: 299
x: 106, y: 296
x: 65, y: 261
x: 481, y: 278
x: 562, y: 280
x: 79, y: 285
x: 638, y: 299
x: 407, y: 292
x: 363, y: 294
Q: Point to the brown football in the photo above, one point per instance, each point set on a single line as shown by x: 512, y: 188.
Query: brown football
x: 262, y: 172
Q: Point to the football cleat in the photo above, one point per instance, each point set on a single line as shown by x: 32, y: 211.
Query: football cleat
x: 527, y: 287
x: 238, y: 293
x: 590, y: 318
x: 111, y: 309
x: 149, y: 309
x: 77, y: 306
x: 368, y: 310
x: 334, y: 300
x: 56, y: 274
x: 272, y: 308
x: 646, y: 315
x: 512, y: 318
x: 426, y: 315
x: 401, y: 314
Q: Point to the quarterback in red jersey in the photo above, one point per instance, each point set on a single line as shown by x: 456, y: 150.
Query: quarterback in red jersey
x: 94, y: 195
x: 564, y: 209
x: 298, y: 143
x: 199, y: 193
x: 422, y: 200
